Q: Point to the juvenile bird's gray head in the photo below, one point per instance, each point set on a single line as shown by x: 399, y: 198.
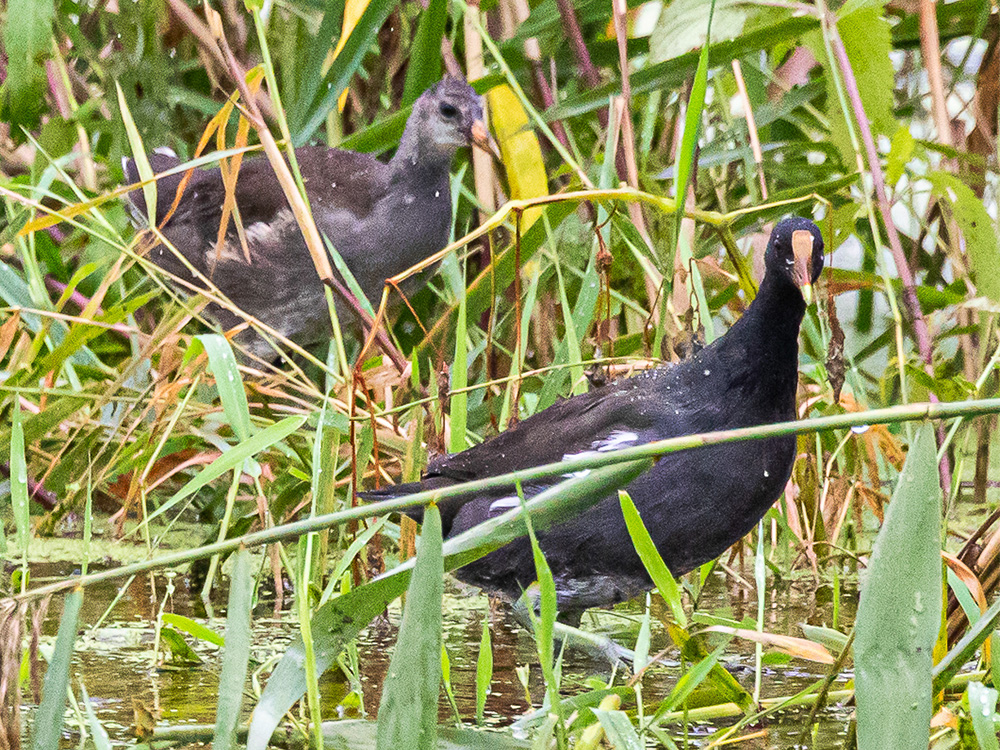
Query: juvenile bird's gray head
x: 446, y: 117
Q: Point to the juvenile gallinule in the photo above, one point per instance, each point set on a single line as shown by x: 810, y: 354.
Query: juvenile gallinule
x: 695, y: 503
x: 381, y: 217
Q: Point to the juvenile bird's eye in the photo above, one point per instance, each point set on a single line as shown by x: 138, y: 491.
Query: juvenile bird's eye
x: 448, y: 110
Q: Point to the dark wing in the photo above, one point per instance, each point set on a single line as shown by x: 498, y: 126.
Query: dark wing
x: 336, y: 181
x: 625, y: 413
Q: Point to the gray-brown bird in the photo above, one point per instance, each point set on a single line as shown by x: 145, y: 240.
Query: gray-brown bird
x: 382, y: 217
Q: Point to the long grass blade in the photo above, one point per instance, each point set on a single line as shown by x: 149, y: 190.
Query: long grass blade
x: 222, y: 363
x: 236, y: 655
x: 48, y: 724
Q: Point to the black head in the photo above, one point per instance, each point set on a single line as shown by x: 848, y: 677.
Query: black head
x: 795, y: 251
x: 450, y: 115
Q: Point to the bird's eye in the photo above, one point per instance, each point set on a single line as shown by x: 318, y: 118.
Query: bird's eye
x: 448, y: 110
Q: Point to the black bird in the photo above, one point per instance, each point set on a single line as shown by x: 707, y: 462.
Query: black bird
x: 381, y: 217
x: 695, y: 503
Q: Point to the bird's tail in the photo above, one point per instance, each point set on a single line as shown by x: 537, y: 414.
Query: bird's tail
x: 166, y: 187
x: 395, y: 492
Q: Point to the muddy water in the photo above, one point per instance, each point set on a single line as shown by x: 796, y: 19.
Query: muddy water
x: 114, y: 660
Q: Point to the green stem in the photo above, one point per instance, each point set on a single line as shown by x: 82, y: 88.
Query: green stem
x: 891, y: 415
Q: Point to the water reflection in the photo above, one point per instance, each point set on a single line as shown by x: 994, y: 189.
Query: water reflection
x: 115, y: 659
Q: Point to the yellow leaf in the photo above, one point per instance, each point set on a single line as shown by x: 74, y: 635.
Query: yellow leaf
x: 519, y: 148
x: 352, y: 14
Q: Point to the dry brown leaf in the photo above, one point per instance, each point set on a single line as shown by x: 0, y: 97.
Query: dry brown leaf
x: 787, y: 644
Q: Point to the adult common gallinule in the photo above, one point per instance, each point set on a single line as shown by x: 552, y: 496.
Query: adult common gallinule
x: 695, y: 503
x: 381, y: 217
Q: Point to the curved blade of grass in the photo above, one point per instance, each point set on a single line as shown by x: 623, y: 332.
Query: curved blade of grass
x: 19, y: 485
x: 236, y: 655
x: 228, y: 382
x: 15, y: 292
x: 544, y: 622
x: 899, y: 613
x: 47, y: 733
x: 459, y: 401
x: 193, y: 628
x: 231, y: 459
x: 407, y: 717
x: 341, y: 619
x: 966, y: 648
x: 98, y: 734
x: 651, y: 558
x: 139, y: 157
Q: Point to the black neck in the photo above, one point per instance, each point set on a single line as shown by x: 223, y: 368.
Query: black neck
x: 765, y: 340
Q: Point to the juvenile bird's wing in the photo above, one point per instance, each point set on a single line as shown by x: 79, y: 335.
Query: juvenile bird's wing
x: 338, y: 183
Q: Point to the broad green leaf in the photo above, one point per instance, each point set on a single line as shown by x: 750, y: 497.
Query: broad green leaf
x: 181, y: 653
x: 425, y: 54
x: 899, y: 613
x: 619, y: 730
x: 983, y: 712
x: 228, y: 382
x: 833, y: 640
x: 407, y: 715
x: 982, y: 245
x: 900, y: 151
x: 48, y: 718
x: 651, y: 559
x: 27, y: 41
x: 685, y: 26
x: 867, y: 39
x: 346, y: 64
x: 236, y: 654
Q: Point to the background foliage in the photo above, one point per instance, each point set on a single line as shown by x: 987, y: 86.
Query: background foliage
x: 878, y: 119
